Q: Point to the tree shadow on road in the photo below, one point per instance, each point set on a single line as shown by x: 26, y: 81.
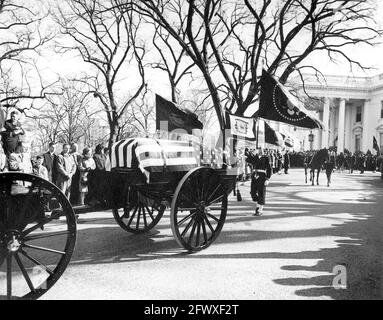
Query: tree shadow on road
x: 359, y: 250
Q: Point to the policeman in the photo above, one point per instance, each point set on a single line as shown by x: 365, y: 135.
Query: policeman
x: 260, y: 178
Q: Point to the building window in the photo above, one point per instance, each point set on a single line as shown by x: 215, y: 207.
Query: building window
x: 358, y: 114
x: 357, y: 142
x: 381, y: 110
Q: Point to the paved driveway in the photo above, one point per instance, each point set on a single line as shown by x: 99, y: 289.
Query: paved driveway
x: 306, y: 236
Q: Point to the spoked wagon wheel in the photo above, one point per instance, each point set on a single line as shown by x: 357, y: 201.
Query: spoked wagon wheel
x: 139, y: 213
x: 37, y: 235
x: 198, y: 209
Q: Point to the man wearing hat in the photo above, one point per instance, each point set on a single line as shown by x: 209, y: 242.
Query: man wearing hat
x: 260, y: 178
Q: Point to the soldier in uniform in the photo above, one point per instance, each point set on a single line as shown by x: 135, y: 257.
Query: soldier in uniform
x: 330, y: 164
x: 260, y: 178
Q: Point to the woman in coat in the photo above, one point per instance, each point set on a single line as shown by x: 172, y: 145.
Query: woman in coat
x: 87, y: 164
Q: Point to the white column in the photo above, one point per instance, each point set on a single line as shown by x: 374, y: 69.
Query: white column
x: 347, y: 128
x: 366, y: 137
x: 326, y: 118
x: 342, y: 112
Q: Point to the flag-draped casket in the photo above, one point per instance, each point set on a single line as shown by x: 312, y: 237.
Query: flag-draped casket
x: 153, y: 155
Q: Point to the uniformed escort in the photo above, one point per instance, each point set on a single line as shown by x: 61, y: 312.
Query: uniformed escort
x: 261, y: 173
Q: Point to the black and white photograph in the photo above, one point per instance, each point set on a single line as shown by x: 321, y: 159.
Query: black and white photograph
x: 191, y: 155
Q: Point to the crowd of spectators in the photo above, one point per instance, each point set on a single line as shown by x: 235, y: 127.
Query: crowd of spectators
x: 68, y: 170
x: 356, y: 161
x: 347, y: 161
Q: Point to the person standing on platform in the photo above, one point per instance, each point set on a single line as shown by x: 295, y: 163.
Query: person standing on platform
x: 260, y: 178
x: 13, y: 131
x: 286, y: 162
x: 66, y: 168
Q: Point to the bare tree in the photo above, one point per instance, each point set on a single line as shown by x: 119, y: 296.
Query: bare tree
x: 108, y: 41
x: 241, y: 36
x: 21, y: 39
x: 172, y: 58
x: 66, y: 117
x: 143, y: 116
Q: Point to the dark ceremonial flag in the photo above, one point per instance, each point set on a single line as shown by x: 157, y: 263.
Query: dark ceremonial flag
x: 375, y: 144
x: 175, y: 117
x: 270, y: 135
x: 278, y: 104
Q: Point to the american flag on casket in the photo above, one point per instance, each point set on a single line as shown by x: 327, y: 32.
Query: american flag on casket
x: 154, y: 155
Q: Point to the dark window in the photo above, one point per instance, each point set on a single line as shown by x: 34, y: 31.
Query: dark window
x: 381, y: 110
x: 358, y: 114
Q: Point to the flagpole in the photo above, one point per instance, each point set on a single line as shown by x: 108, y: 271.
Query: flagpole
x: 257, y: 134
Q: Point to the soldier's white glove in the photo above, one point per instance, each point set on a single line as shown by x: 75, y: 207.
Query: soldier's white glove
x: 267, y: 182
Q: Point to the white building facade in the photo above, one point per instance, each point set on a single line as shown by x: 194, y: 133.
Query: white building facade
x: 352, y: 112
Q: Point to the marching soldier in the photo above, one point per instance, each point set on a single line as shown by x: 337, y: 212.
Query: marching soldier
x: 260, y: 178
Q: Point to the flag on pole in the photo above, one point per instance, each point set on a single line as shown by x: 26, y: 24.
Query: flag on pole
x: 241, y: 126
x: 278, y: 104
x: 167, y: 111
x: 287, y: 141
x: 271, y: 136
x: 375, y: 144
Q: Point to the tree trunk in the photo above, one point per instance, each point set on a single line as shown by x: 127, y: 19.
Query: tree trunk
x: 113, y: 134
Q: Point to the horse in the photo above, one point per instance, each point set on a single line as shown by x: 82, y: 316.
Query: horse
x: 316, y: 163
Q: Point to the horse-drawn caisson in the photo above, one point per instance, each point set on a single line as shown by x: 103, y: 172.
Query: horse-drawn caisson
x: 146, y: 176
x: 38, y: 224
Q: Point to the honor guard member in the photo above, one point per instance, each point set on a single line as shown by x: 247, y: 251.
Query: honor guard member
x: 259, y: 179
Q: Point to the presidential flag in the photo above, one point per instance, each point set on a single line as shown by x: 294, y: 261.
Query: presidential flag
x: 169, y: 117
x: 375, y: 144
x: 289, y: 142
x: 241, y: 126
x: 278, y: 104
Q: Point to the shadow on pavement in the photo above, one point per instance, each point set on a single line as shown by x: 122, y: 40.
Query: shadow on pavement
x: 361, y: 254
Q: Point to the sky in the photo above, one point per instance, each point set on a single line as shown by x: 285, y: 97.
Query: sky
x: 68, y: 65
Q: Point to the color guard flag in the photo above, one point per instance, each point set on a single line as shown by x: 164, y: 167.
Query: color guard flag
x: 278, y: 104
x: 271, y: 136
x: 375, y: 144
x: 241, y: 126
x: 176, y: 118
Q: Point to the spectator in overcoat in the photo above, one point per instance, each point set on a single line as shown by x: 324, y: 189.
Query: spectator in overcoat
x: 99, y: 157
x: 75, y: 192
x: 49, y: 159
x: 66, y: 168
x: 86, y: 165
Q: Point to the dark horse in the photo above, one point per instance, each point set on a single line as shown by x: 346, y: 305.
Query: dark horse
x: 316, y: 163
